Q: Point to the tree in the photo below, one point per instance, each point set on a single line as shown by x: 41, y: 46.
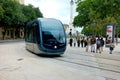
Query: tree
x: 83, y: 9
x: 31, y: 13
x: 15, y: 15
x: 1, y: 12
x: 97, y: 12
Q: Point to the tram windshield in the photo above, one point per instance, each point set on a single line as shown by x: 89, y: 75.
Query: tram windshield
x: 52, y: 31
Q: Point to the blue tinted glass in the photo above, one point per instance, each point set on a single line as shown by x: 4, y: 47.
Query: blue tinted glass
x: 51, y: 24
x: 53, y: 29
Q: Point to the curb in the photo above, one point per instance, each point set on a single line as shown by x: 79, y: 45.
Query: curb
x: 13, y: 40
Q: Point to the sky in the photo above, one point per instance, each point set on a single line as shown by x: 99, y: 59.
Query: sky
x: 59, y: 9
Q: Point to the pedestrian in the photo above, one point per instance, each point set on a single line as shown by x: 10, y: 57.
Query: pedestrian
x: 71, y: 42
x: 102, y: 44
x: 78, y: 42
x: 93, y: 42
x: 98, y: 44
x: 82, y: 42
x: 116, y: 41
x: 87, y: 44
x: 74, y: 41
x: 112, y: 46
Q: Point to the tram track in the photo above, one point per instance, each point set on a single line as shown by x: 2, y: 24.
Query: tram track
x: 72, y: 58
x: 92, y: 57
x: 96, y: 56
x: 95, y: 62
x: 68, y: 61
x: 90, y: 66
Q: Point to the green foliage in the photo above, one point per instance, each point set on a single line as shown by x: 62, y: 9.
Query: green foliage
x: 97, y: 13
x: 14, y: 14
x: 82, y: 18
x: 1, y: 12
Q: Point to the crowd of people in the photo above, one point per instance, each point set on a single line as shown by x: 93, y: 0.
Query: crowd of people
x: 92, y: 43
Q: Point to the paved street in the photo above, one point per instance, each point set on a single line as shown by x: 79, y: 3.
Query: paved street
x: 16, y: 63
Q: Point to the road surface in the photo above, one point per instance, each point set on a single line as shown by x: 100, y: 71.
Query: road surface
x: 16, y: 63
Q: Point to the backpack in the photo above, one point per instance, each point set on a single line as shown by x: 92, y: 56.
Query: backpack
x: 102, y: 42
x: 98, y: 42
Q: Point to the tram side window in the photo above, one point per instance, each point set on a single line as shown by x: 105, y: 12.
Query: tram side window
x: 34, y: 25
x: 37, y: 33
x: 27, y: 31
x: 30, y: 35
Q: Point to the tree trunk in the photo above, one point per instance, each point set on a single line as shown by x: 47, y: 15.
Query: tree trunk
x: 3, y: 33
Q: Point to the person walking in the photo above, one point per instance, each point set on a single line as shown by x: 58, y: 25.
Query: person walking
x: 71, y: 42
x: 98, y: 44
x: 74, y: 41
x: 87, y: 44
x: 102, y: 44
x: 111, y: 48
x: 82, y: 42
x: 93, y: 41
x: 78, y: 42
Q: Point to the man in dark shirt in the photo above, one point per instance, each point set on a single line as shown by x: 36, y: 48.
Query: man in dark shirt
x: 93, y: 41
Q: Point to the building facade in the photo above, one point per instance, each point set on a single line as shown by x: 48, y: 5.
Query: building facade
x: 12, y: 33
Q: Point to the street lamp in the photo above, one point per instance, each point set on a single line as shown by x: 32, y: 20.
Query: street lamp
x: 71, y: 2
x: 71, y: 16
x: 71, y: 12
x: 70, y: 33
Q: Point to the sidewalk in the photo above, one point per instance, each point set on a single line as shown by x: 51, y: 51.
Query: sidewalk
x: 115, y: 54
x: 105, y: 54
x: 11, y: 40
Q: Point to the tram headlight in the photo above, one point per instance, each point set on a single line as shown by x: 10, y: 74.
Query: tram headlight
x: 55, y: 47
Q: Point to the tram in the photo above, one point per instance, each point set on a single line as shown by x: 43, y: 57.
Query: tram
x: 45, y: 36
